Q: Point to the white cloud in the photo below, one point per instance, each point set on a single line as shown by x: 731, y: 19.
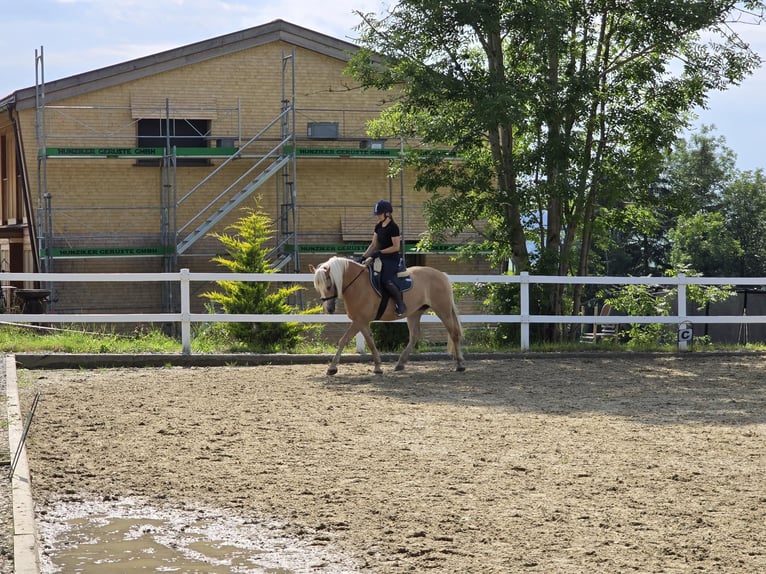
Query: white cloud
x: 83, y: 35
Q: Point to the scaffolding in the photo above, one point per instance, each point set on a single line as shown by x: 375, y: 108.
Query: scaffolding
x: 237, y: 165
x: 175, y: 209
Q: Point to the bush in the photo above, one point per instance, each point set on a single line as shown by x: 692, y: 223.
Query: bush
x: 651, y: 300
x: 246, y: 253
x: 390, y: 336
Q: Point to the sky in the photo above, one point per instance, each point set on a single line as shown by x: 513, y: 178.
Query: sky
x: 82, y: 35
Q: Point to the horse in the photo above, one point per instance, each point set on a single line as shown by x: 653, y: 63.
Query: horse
x: 346, y: 279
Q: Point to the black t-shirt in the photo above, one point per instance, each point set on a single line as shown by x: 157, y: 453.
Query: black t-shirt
x: 385, y: 234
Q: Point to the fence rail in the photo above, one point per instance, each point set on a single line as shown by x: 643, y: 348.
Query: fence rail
x: 185, y: 317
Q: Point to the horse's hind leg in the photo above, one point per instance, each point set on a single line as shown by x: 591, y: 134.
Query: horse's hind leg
x: 367, y: 334
x: 413, y: 325
x: 455, y: 335
x: 459, y: 359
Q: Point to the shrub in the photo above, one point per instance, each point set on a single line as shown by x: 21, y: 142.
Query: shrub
x: 247, y: 253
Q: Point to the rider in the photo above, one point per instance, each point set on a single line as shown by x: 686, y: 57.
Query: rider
x: 386, y: 244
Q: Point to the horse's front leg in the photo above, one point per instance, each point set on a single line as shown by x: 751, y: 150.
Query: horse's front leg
x: 367, y: 334
x: 413, y: 325
x: 352, y: 330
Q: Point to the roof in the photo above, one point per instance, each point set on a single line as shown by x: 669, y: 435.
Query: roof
x: 277, y: 30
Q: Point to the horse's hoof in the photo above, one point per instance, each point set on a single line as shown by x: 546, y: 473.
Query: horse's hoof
x: 377, y: 371
x: 399, y: 368
x: 459, y: 369
x: 332, y: 370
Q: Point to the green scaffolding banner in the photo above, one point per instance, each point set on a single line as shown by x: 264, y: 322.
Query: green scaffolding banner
x: 159, y: 251
x: 159, y: 152
x: 361, y: 247
x: 148, y: 251
x: 342, y: 152
x: 363, y: 152
x: 137, y: 152
x: 104, y: 152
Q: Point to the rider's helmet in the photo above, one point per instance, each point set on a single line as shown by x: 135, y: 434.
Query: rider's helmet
x: 383, y: 207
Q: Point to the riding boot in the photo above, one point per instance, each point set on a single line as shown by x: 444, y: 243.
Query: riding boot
x: 396, y: 295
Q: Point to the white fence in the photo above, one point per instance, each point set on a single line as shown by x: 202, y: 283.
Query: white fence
x: 185, y: 317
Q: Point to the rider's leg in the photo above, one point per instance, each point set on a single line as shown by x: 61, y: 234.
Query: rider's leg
x: 396, y: 295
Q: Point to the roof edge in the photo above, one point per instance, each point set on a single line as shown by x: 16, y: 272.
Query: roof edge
x: 7, y: 102
x: 100, y: 78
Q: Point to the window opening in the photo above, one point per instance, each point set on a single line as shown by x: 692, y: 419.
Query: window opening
x: 184, y: 133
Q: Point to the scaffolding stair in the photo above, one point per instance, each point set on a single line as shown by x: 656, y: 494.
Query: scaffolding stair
x: 231, y: 203
x: 282, y: 260
x: 278, y: 256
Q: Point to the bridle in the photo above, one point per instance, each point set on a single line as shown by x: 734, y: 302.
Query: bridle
x: 331, y: 297
x: 335, y: 287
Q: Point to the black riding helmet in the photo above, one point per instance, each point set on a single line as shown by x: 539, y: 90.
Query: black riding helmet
x: 383, y: 207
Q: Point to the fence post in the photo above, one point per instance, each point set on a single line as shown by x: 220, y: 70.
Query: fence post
x: 683, y: 322
x: 524, y: 299
x: 185, y: 313
x: 360, y: 343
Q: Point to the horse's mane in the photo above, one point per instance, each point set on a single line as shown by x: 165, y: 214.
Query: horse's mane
x: 336, y: 267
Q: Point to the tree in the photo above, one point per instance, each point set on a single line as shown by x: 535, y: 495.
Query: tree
x: 744, y: 208
x: 556, y: 109
x: 699, y: 170
x: 694, y: 176
x: 247, y: 253
x: 637, y: 242
x: 703, y: 243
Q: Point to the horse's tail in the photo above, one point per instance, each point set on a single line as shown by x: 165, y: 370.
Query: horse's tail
x: 455, y: 320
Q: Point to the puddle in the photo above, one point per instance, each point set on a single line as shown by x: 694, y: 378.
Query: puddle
x: 129, y: 536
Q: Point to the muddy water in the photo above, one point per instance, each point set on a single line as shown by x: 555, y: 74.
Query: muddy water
x: 128, y: 536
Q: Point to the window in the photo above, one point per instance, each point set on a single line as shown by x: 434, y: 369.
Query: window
x: 182, y: 132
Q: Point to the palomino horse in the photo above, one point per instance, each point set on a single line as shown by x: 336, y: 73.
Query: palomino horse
x: 346, y: 279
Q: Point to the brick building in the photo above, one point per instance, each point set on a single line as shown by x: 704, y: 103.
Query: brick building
x: 129, y: 168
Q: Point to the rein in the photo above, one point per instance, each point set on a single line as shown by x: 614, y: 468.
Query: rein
x: 358, y: 275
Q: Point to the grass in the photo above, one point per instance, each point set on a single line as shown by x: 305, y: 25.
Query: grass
x: 147, y: 339
x: 29, y: 339
x: 211, y: 339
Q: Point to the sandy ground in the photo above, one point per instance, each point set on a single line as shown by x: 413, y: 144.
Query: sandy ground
x: 555, y: 465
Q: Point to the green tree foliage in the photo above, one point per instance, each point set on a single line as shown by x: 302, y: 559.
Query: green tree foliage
x: 693, y: 177
x: 658, y: 300
x: 557, y: 109
x: 703, y: 242
x: 702, y: 213
x: 247, y: 252
x: 699, y: 170
x: 744, y: 208
x: 636, y: 241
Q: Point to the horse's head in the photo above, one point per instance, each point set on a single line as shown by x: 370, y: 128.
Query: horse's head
x: 326, y: 287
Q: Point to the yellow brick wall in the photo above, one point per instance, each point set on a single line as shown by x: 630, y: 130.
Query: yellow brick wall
x: 93, y: 195
x: 115, y: 201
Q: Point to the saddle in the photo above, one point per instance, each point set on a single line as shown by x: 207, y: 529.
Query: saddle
x: 403, y: 281
x: 403, y: 278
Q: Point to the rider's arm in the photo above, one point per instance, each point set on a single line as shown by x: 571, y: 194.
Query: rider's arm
x: 396, y: 243
x: 373, y: 247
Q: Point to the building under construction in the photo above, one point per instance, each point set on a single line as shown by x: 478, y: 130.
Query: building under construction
x: 130, y: 168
